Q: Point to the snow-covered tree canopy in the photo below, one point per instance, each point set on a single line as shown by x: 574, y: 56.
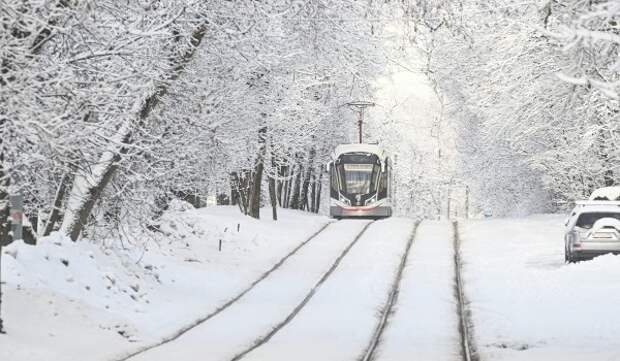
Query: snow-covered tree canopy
x: 532, y: 90
x: 109, y: 108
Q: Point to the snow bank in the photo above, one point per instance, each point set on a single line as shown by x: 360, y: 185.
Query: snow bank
x: 527, y: 304
x: 118, y: 296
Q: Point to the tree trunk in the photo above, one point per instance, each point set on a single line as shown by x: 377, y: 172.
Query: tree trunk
x: 306, y: 185
x: 88, y: 187
x: 60, y: 195
x: 280, y: 183
x: 255, y: 191
x: 313, y: 196
x: 286, y: 198
x: 295, y: 201
x: 273, y: 197
x: 318, y: 193
x: 241, y: 186
x: 255, y: 194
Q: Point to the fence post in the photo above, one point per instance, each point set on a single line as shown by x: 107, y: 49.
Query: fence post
x: 1, y: 323
x: 4, y: 212
x: 16, y: 209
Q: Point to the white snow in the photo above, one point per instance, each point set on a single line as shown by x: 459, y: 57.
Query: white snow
x: 267, y: 304
x: 424, y: 325
x: 527, y: 304
x: 610, y: 193
x: 86, y: 301
x: 338, y: 322
x: 64, y: 300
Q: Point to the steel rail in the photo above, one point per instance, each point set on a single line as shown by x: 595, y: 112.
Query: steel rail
x: 369, y: 353
x: 265, y: 338
x: 467, y: 343
x: 228, y: 303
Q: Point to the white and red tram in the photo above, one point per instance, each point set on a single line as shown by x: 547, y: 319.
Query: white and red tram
x: 360, y: 182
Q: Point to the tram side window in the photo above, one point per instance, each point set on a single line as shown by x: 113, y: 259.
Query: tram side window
x: 333, y: 181
x: 383, y: 185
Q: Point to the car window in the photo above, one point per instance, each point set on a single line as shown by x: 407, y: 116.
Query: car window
x: 587, y: 220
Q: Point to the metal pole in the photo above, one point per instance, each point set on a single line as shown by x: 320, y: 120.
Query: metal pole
x: 360, y: 106
x: 4, y: 239
x: 360, y: 123
x: 16, y: 208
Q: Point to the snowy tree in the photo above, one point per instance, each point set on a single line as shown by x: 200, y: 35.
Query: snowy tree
x: 527, y: 137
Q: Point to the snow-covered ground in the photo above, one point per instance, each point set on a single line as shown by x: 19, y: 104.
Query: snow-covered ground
x: 82, y: 301
x: 338, y: 322
x: 527, y: 304
x: 424, y: 325
x: 86, y: 301
x: 270, y: 302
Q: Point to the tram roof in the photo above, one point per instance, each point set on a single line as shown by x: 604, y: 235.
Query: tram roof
x: 363, y: 148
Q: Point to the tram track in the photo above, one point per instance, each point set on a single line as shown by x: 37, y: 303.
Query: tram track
x: 228, y: 303
x: 266, y: 337
x: 387, y: 310
x: 468, y: 350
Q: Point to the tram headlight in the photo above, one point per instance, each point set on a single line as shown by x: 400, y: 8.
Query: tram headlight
x: 371, y: 200
x: 344, y: 200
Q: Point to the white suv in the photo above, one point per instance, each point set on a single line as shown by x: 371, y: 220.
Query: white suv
x: 592, y: 229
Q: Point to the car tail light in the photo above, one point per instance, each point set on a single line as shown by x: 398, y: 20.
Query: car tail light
x: 573, y: 239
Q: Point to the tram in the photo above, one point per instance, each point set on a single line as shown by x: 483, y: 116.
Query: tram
x: 360, y: 182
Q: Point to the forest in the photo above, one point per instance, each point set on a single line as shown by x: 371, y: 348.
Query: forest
x: 111, y: 109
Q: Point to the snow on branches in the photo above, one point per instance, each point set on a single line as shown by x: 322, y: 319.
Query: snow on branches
x: 109, y: 109
x: 532, y: 91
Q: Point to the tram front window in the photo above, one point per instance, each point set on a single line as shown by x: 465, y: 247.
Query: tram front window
x: 358, y: 178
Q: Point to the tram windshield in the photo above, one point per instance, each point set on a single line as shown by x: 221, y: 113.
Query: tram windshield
x: 358, y: 178
x: 359, y: 173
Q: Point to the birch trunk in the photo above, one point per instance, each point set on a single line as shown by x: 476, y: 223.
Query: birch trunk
x: 88, y: 186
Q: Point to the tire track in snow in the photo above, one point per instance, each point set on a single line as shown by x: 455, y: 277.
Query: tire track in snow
x: 228, y: 303
x: 468, y: 350
x: 369, y: 353
x: 265, y: 338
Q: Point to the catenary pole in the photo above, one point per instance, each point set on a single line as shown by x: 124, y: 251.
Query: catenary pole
x: 360, y: 106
